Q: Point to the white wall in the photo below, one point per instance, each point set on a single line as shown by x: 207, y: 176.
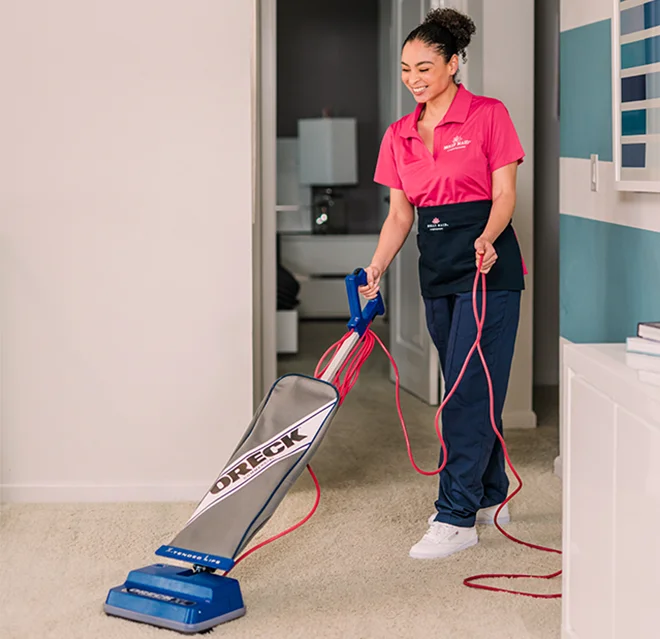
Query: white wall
x: 125, y: 246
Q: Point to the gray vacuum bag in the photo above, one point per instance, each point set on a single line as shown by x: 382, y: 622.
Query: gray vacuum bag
x: 284, y: 434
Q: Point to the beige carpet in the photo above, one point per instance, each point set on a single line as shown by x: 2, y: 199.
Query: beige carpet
x: 345, y: 574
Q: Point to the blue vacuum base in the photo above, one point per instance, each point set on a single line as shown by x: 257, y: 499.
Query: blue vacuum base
x: 176, y: 598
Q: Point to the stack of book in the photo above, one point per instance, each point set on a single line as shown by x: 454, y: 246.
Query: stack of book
x: 643, y: 352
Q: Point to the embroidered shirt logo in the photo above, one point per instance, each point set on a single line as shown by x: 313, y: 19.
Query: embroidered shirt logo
x: 436, y: 225
x: 457, y: 143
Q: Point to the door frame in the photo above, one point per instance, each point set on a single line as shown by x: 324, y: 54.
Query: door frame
x: 518, y: 408
x: 264, y: 110
x: 264, y: 222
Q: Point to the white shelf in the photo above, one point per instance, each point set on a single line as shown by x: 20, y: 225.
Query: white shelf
x: 321, y: 264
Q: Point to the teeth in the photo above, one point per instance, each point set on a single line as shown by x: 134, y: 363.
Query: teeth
x: 419, y: 89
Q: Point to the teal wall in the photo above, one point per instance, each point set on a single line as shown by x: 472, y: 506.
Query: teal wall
x: 585, y: 107
x: 609, y: 279
x: 609, y: 273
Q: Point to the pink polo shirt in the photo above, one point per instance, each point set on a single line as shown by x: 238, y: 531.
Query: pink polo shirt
x: 475, y: 138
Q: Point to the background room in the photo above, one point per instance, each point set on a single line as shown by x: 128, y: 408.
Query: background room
x: 329, y: 122
x: 350, y: 70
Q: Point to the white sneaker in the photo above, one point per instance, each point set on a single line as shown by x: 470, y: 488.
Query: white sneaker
x: 487, y: 515
x: 442, y: 540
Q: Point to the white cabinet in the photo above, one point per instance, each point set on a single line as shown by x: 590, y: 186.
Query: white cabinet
x: 287, y: 331
x: 321, y: 264
x: 611, y: 481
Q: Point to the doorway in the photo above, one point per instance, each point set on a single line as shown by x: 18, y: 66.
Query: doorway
x: 321, y: 69
x: 322, y: 61
x: 328, y: 210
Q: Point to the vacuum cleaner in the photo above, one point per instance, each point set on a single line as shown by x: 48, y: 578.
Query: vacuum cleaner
x: 285, y: 432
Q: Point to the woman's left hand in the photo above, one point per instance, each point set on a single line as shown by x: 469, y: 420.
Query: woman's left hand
x: 483, y: 247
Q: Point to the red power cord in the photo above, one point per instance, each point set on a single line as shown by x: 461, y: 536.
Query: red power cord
x: 350, y: 369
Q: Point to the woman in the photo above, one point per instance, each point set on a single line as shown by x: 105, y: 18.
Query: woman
x: 455, y: 159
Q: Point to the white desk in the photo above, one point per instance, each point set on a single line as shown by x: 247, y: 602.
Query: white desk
x: 610, y: 455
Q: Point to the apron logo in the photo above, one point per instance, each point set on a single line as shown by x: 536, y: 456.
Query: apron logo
x: 436, y: 225
x: 457, y: 143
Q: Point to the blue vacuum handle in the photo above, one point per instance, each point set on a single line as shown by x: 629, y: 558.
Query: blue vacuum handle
x: 361, y: 318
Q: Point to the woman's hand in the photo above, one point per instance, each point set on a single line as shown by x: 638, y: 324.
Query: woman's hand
x: 370, y: 291
x: 483, y: 247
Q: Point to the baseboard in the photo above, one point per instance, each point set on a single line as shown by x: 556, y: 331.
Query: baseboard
x: 76, y: 493
x: 519, y: 419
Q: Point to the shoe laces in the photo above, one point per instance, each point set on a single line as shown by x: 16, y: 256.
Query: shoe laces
x: 438, y: 531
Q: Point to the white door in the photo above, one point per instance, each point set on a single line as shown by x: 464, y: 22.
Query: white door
x: 410, y: 343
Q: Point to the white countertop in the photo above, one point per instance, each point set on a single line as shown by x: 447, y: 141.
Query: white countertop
x: 608, y: 363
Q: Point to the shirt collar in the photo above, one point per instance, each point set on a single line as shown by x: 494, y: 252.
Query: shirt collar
x: 458, y: 112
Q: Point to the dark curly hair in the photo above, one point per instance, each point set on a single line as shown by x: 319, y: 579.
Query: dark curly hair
x: 447, y: 30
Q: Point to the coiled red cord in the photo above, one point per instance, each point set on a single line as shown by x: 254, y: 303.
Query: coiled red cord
x: 345, y: 379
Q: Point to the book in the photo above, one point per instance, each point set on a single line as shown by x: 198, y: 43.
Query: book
x: 649, y: 377
x: 649, y: 330
x: 643, y: 345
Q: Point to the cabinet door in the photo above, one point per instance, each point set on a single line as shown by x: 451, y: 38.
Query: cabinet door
x: 588, y: 587
x: 636, y: 525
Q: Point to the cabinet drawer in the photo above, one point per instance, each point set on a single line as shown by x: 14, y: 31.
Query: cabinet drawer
x: 323, y: 299
x: 327, y: 298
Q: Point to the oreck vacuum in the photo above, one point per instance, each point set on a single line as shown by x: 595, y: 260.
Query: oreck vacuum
x: 284, y: 434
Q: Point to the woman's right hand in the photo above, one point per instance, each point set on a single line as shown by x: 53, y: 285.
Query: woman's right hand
x: 370, y: 291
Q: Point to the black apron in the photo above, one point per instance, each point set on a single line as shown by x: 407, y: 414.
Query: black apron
x: 447, y: 260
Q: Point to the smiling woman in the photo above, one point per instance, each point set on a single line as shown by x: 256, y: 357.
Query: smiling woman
x: 448, y: 33
x: 454, y: 159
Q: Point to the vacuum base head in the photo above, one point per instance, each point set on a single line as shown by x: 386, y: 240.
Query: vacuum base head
x: 176, y: 598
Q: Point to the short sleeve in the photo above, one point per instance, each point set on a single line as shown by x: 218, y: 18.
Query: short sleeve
x: 503, y: 143
x: 386, y: 172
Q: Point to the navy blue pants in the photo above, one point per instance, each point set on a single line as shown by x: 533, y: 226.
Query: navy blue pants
x: 475, y: 475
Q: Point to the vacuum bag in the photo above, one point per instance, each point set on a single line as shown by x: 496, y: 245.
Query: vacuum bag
x: 284, y: 434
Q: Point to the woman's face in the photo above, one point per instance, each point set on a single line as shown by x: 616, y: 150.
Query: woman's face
x: 425, y: 72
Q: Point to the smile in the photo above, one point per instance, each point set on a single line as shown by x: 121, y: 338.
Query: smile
x: 418, y: 90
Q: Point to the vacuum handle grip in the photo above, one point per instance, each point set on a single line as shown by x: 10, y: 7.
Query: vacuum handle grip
x: 361, y: 317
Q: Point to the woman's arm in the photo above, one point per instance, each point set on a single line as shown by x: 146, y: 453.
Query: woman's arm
x: 395, y: 230
x: 393, y: 234
x: 504, y: 202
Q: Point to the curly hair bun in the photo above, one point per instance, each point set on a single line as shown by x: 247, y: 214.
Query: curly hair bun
x: 459, y: 25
